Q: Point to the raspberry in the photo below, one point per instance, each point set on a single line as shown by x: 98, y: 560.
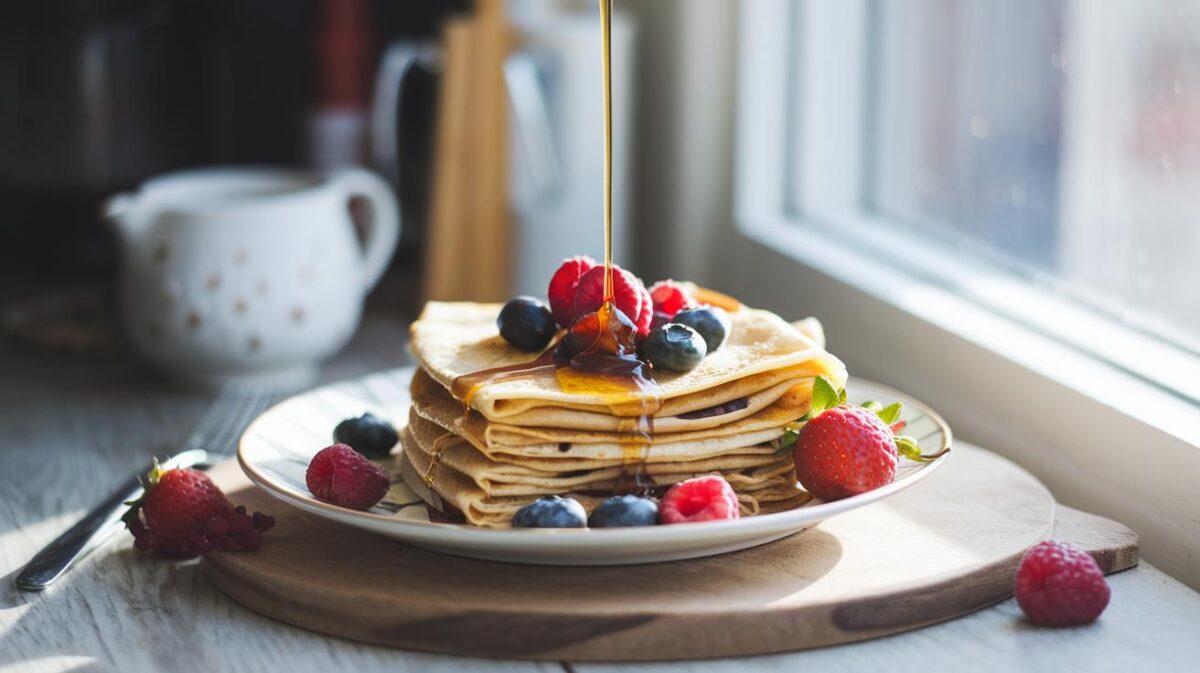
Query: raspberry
x: 646, y: 318
x: 238, y: 530
x: 342, y: 476
x: 629, y: 295
x: 1059, y: 585
x: 669, y: 298
x: 562, y: 288
x: 708, y: 498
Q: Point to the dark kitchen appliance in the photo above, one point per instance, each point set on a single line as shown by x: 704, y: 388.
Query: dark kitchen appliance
x: 100, y: 94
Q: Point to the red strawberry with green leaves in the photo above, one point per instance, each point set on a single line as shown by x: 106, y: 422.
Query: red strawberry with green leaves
x: 183, y: 514
x: 844, y: 450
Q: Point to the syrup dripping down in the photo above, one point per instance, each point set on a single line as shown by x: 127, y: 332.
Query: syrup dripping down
x: 598, y: 353
x: 439, y: 447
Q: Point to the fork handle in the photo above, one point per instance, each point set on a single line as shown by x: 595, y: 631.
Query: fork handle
x: 91, y: 531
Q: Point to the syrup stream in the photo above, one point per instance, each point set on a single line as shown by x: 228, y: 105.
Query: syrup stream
x: 609, y: 366
x: 606, y: 50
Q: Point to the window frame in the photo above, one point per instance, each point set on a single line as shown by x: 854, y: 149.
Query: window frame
x: 969, y: 332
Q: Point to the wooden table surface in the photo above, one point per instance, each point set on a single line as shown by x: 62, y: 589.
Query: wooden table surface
x: 71, y: 428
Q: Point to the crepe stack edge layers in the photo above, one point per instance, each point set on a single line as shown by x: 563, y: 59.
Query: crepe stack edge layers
x: 526, y: 437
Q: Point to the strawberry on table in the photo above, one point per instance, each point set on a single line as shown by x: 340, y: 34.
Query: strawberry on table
x: 844, y: 450
x: 183, y: 514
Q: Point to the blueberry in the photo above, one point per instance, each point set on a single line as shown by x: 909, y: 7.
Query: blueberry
x: 674, y: 348
x: 551, y: 511
x: 368, y: 434
x: 711, y: 322
x: 527, y: 324
x: 624, y: 510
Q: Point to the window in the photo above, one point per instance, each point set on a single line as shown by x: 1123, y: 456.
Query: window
x: 995, y: 205
x: 1063, y: 138
x: 1048, y: 151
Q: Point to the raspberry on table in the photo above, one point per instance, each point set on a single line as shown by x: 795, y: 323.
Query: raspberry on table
x: 340, y: 475
x: 1059, y: 585
x: 707, y: 498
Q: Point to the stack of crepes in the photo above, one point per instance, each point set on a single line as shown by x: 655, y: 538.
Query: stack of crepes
x: 526, y: 437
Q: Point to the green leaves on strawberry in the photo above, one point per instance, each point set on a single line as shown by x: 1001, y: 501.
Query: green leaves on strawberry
x: 826, y: 396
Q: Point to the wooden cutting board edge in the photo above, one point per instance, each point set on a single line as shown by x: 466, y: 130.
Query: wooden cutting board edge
x: 1113, y: 545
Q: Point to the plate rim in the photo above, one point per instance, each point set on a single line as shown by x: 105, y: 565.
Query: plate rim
x: 798, y: 517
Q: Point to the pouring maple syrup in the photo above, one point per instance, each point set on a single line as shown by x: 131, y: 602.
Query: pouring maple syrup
x: 598, y: 352
x: 610, y: 364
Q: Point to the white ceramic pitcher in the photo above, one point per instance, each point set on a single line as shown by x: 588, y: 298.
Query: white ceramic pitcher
x: 253, y: 273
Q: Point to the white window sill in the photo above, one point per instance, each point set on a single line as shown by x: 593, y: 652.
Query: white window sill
x: 1101, y: 438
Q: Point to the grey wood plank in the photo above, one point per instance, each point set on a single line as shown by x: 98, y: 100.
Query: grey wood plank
x: 70, y: 430
x: 1150, y: 625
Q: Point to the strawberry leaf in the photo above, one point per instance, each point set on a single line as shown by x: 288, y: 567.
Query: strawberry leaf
x: 911, y: 449
x: 788, y: 439
x: 841, y: 395
x: 791, y: 432
x: 891, y: 413
x: 872, y: 405
x: 824, y: 396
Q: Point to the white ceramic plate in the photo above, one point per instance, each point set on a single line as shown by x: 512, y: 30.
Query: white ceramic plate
x: 276, y: 448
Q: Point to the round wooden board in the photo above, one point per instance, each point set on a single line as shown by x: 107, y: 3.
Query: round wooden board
x: 943, y: 548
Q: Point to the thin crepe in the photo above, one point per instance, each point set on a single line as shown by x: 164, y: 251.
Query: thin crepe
x: 562, y: 461
x: 452, y: 339
x: 505, y: 443
x: 725, y: 403
x: 449, y: 489
x: 500, y: 479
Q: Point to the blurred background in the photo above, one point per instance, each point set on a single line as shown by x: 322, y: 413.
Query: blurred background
x: 990, y: 204
x: 484, y: 118
x: 1059, y: 139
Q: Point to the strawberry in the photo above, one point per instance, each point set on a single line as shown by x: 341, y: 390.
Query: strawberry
x: 562, y: 288
x: 629, y: 295
x: 845, y: 450
x: 183, y: 514
x: 669, y: 298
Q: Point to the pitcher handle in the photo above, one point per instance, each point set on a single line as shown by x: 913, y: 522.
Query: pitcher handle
x: 383, y: 224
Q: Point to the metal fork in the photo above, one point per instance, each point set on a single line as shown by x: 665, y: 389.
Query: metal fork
x: 213, y: 436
